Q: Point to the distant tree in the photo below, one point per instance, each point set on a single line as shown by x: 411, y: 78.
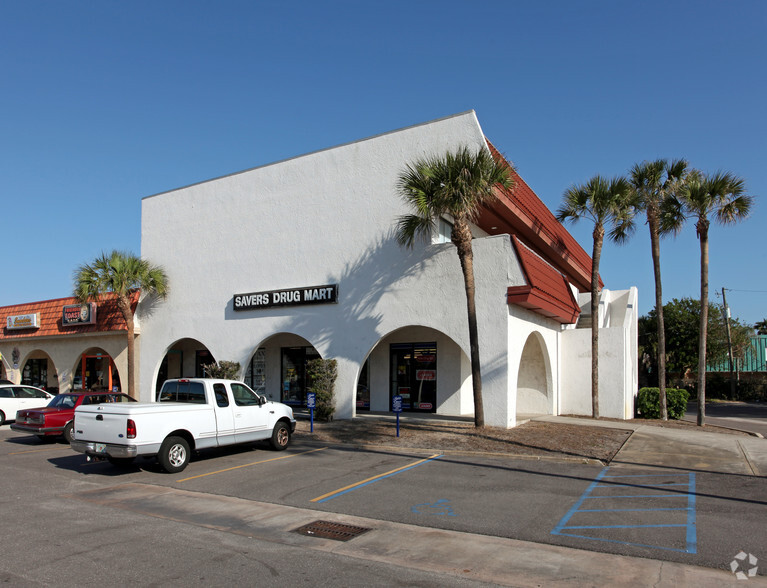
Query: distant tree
x: 459, y: 185
x: 761, y: 327
x: 605, y: 203
x: 721, y: 196
x: 123, y: 274
x: 652, y: 182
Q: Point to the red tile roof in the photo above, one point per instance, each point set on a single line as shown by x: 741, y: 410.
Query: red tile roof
x: 520, y: 212
x: 547, y: 291
x: 108, y: 318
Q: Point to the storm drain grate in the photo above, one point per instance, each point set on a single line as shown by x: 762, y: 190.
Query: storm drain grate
x: 328, y: 530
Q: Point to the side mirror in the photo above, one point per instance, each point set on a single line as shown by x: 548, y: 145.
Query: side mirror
x: 261, y: 400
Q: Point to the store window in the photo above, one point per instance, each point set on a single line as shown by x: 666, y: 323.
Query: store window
x: 255, y: 375
x: 413, y: 369
x: 445, y: 231
x: 295, y: 383
x: 35, y: 373
x: 201, y: 358
x: 363, y: 387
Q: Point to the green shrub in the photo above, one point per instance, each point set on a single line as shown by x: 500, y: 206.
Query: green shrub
x: 648, y: 403
x: 224, y: 370
x: 322, y: 374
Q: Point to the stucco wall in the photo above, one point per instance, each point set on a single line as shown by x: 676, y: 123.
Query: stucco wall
x: 324, y: 218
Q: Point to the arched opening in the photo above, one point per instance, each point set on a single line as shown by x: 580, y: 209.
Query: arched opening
x: 423, y: 366
x: 186, y: 358
x: 533, y: 381
x: 95, y: 370
x: 277, y: 368
x: 38, y: 370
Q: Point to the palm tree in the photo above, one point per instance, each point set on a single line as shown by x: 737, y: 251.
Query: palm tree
x: 761, y: 327
x: 605, y: 202
x: 123, y: 274
x: 651, y: 182
x: 721, y: 195
x: 455, y: 184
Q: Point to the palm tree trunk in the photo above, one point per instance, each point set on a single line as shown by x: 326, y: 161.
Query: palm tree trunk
x: 703, y: 236
x: 123, y: 303
x: 462, y: 239
x: 652, y: 220
x: 599, y: 234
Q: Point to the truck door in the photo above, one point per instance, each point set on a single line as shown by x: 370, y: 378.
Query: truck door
x: 224, y: 416
x: 251, y: 418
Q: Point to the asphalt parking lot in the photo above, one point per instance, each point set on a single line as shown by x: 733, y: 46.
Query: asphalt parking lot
x: 686, y: 516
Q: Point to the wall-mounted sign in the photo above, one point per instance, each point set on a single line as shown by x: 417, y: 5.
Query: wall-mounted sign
x: 23, y: 321
x: 78, y: 314
x: 327, y: 294
x: 425, y: 375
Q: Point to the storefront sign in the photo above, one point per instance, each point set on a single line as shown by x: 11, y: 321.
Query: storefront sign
x: 327, y: 294
x: 425, y: 375
x: 23, y: 321
x: 78, y: 314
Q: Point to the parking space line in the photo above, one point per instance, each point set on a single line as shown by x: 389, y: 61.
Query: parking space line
x: 368, y: 481
x: 564, y: 528
x: 38, y: 450
x: 246, y: 465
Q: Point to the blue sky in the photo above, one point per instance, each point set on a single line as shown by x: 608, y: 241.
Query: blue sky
x: 106, y: 102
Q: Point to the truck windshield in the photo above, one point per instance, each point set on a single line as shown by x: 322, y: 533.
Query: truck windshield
x: 179, y: 391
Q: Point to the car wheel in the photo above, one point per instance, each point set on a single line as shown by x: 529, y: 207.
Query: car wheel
x: 174, y: 454
x: 2, y: 418
x: 120, y: 462
x: 68, y: 430
x: 280, y: 436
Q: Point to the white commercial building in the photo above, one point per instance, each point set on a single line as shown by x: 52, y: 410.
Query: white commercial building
x: 273, y: 266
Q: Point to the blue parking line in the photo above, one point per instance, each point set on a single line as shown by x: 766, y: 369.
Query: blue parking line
x: 690, y: 526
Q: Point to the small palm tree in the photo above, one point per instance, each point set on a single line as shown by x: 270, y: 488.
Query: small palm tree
x: 761, y: 327
x: 122, y: 274
x: 604, y: 202
x: 652, y: 182
x: 456, y: 184
x: 723, y: 196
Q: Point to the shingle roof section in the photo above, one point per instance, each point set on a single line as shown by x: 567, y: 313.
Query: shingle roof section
x: 108, y: 317
x: 547, y: 291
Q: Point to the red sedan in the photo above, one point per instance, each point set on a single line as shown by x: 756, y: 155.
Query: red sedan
x: 57, y: 418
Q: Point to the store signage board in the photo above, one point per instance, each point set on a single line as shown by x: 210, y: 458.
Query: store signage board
x: 23, y: 321
x: 73, y: 315
x: 327, y: 294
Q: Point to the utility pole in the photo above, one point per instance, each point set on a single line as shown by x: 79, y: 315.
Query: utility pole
x: 726, y: 311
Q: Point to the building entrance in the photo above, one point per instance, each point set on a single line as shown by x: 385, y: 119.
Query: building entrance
x: 295, y: 383
x: 413, y: 375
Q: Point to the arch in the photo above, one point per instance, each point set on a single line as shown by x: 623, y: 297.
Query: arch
x: 95, y: 369
x: 401, y: 362
x: 276, y: 367
x: 38, y: 369
x: 534, y: 388
x: 184, y: 358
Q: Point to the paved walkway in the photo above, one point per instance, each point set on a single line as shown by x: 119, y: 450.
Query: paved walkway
x: 687, y: 448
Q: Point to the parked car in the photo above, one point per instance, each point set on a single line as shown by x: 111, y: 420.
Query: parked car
x: 57, y: 418
x: 14, y: 398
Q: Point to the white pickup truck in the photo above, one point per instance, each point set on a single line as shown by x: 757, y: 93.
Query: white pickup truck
x: 190, y: 414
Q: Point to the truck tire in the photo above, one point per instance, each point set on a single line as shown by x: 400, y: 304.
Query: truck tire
x: 174, y: 454
x: 68, y: 433
x: 280, y: 436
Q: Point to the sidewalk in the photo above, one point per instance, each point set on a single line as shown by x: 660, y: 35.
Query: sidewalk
x: 686, y: 448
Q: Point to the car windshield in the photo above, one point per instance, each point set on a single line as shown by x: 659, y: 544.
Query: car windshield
x: 64, y: 401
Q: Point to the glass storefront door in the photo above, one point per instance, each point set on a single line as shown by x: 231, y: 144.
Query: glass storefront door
x: 295, y: 384
x: 413, y: 371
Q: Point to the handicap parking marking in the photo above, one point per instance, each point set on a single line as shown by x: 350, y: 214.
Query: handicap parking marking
x: 439, y: 508
x: 373, y: 480
x: 618, y: 508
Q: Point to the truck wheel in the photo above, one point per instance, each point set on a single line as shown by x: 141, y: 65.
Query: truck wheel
x: 68, y: 433
x: 280, y: 436
x: 174, y: 454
